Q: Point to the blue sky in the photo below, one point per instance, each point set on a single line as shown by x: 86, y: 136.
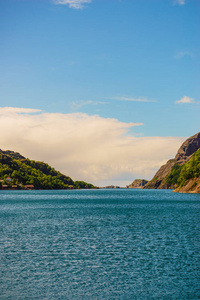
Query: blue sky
x: 128, y: 60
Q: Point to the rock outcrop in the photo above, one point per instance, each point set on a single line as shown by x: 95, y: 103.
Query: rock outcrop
x: 137, y: 184
x: 192, y: 186
x: 187, y: 149
x: 185, y: 152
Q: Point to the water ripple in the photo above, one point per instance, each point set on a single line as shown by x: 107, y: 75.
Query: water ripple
x: 124, y: 244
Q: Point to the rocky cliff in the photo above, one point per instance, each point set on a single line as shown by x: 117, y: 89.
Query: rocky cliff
x: 185, y: 152
x: 137, y: 184
x: 192, y: 186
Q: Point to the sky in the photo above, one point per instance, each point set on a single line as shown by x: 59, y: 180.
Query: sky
x: 104, y: 91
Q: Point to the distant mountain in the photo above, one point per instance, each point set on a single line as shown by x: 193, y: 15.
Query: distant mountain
x: 16, y: 171
x: 137, y: 184
x: 168, y: 176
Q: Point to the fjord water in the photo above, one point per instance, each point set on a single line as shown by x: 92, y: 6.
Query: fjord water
x: 99, y: 244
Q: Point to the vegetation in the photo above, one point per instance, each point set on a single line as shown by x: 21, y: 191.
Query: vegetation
x: 190, y: 170
x: 172, y: 178
x: 39, y: 174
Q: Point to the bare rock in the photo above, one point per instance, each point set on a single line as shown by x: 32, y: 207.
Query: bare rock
x: 137, y: 184
x: 192, y: 186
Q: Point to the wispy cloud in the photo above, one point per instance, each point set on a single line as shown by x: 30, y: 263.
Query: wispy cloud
x: 184, y: 100
x: 76, y: 4
x: 80, y: 104
x: 183, y: 54
x: 85, y: 103
x: 180, y: 2
x: 91, y: 148
x: 132, y: 99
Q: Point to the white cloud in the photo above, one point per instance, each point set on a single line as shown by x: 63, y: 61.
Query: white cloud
x: 180, y: 2
x: 91, y: 148
x: 132, y: 99
x: 77, y: 4
x: 184, y: 100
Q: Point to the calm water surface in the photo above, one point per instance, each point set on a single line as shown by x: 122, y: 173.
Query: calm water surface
x: 99, y: 244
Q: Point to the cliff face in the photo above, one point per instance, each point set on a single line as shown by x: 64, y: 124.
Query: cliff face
x: 185, y: 152
x: 192, y: 186
x: 187, y: 149
x: 137, y: 184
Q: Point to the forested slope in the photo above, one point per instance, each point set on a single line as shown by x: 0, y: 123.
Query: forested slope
x: 22, y: 171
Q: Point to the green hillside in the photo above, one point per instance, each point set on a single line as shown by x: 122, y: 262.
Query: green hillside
x: 39, y: 175
x: 180, y: 174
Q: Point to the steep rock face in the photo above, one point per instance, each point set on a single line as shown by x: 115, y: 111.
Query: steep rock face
x: 184, y: 153
x: 192, y: 186
x: 137, y: 184
x: 190, y: 146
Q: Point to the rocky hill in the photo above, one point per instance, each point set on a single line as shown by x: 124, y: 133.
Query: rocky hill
x: 137, y: 184
x: 187, y: 176
x: 18, y: 172
x: 167, y: 175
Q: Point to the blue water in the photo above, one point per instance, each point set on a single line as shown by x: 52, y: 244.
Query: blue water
x: 99, y: 244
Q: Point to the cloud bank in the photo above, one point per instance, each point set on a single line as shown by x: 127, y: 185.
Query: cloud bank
x: 77, y: 4
x: 14, y: 110
x: 91, y: 148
